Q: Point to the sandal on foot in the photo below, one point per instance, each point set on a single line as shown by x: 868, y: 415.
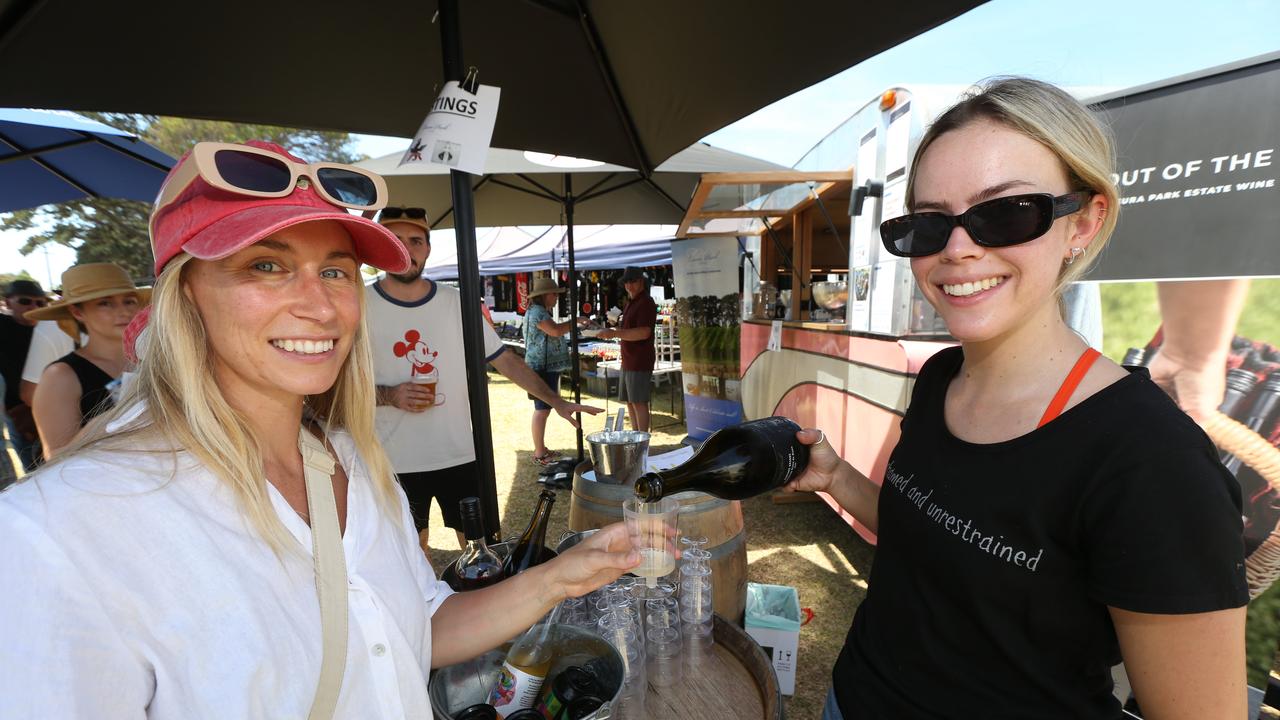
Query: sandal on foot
x: 546, y: 459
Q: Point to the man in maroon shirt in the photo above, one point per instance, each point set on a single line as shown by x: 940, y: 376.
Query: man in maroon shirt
x: 636, y: 334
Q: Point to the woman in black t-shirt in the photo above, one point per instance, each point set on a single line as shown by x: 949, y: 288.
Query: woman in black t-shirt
x: 76, y: 387
x: 1046, y: 512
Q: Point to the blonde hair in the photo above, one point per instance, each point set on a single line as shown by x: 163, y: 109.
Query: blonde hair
x: 188, y: 412
x: 1045, y: 113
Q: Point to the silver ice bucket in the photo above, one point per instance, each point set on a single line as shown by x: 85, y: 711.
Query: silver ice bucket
x: 457, y: 687
x: 619, y: 456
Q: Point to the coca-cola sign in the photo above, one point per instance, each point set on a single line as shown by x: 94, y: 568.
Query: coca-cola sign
x: 522, y: 292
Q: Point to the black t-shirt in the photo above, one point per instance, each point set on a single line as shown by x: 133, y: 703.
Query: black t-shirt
x: 15, y: 339
x: 996, y: 562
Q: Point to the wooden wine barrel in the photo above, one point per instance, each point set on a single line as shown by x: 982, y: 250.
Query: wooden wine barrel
x: 595, y: 505
x: 734, y: 681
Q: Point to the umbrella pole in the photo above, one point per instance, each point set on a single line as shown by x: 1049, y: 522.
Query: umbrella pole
x: 464, y: 223
x: 573, y: 306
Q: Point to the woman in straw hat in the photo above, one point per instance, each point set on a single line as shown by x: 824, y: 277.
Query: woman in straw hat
x: 229, y: 541
x: 546, y: 351
x: 76, y: 387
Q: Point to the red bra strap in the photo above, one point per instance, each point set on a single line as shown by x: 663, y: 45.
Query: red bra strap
x: 1069, y: 386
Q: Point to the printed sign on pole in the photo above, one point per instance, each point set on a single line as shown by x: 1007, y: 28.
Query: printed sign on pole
x: 458, y: 129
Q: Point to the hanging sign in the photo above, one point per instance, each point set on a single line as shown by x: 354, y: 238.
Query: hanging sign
x: 458, y: 129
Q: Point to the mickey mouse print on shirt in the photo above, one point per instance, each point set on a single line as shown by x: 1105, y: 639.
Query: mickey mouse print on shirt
x: 421, y: 359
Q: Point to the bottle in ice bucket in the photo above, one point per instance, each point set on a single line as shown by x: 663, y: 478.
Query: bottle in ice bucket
x: 735, y: 463
x: 529, y: 548
x: 524, y: 669
x: 478, y: 566
x: 573, y: 694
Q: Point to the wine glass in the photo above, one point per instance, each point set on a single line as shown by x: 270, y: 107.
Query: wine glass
x: 652, y: 526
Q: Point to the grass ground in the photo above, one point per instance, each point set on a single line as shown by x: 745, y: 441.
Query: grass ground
x: 803, y: 545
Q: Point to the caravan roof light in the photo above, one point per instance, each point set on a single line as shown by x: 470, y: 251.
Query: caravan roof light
x: 888, y: 99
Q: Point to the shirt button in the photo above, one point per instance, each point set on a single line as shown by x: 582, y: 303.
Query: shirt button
x: 379, y: 650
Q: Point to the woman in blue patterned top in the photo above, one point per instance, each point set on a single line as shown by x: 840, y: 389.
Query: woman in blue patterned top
x: 547, y: 353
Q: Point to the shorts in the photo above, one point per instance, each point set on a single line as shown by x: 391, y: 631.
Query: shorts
x: 552, y: 379
x: 831, y: 709
x: 448, y: 486
x: 634, y: 386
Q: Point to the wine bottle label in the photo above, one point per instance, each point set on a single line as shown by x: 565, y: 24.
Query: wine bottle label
x: 515, y: 690
x: 551, y: 706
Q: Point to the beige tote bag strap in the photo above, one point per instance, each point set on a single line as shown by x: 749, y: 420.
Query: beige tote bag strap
x: 331, y: 572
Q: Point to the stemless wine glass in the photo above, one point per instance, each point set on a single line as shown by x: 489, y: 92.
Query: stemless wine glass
x: 652, y: 527
x: 662, y: 653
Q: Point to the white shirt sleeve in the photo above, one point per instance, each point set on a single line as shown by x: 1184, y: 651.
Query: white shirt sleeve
x: 493, y: 345
x: 434, y: 591
x: 62, y: 656
x: 48, y: 343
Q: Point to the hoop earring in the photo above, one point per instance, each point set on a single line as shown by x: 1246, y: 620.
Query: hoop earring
x: 1075, y: 253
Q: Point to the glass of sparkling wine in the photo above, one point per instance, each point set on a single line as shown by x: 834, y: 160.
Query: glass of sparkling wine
x: 652, y: 527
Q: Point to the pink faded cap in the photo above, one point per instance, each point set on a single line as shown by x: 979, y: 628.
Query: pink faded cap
x: 211, y: 224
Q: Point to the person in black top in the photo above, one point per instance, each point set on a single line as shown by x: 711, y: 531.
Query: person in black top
x: 20, y: 296
x: 1046, y: 513
x: 76, y: 387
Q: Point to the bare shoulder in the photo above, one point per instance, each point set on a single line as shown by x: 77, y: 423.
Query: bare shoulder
x: 58, y: 381
x: 58, y: 372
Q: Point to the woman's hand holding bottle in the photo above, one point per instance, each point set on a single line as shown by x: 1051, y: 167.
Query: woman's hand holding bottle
x: 824, y: 464
x: 828, y: 472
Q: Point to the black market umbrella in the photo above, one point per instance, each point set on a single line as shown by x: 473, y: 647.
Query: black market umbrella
x: 629, y: 83
x: 528, y: 188
x: 52, y: 157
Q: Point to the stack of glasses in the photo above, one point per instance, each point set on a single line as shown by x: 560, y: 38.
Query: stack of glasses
x: 695, y: 599
x: 662, y: 633
x: 619, y: 623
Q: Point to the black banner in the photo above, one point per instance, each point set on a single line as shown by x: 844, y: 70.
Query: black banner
x: 1198, y: 177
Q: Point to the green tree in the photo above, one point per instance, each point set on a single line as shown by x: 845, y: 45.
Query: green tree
x: 102, y: 230
x: 6, y: 278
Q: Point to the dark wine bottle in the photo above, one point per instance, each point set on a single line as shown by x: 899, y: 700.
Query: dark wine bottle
x: 1135, y: 357
x: 735, y: 463
x: 1240, y: 384
x: 529, y: 548
x: 1259, y: 413
x: 478, y: 566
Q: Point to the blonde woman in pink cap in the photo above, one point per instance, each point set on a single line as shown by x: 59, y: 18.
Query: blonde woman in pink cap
x: 229, y: 541
x: 77, y: 387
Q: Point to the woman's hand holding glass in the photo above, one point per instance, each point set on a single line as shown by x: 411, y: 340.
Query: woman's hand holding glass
x: 595, y: 562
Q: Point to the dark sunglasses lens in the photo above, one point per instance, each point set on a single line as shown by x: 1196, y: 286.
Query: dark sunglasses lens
x: 1011, y: 220
x: 916, y: 235
x: 253, y: 172
x: 349, y: 187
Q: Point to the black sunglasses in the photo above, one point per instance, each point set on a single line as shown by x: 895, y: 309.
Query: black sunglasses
x: 391, y: 213
x: 25, y: 301
x: 995, y: 223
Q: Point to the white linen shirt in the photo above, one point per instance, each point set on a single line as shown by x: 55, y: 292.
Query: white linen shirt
x: 134, y: 591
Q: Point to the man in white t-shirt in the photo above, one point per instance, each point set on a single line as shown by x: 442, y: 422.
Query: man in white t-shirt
x: 49, y: 341
x: 423, y: 415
